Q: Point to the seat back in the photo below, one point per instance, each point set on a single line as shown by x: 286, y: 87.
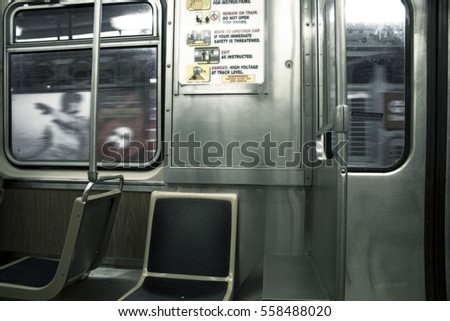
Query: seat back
x: 190, y: 235
x: 86, y: 244
x: 89, y: 231
x: 190, y: 248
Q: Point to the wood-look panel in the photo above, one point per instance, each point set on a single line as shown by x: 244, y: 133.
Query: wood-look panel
x: 128, y: 238
x: 35, y: 221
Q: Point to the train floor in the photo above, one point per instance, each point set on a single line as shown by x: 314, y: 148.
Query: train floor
x: 108, y: 283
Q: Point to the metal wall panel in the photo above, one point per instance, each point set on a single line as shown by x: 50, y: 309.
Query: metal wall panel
x: 385, y: 242
x: 322, y: 227
x: 241, y: 118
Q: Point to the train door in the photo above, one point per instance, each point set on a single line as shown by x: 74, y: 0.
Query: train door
x: 387, y: 95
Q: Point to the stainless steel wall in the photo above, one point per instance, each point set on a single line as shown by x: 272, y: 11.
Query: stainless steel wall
x: 240, y: 118
x: 280, y: 214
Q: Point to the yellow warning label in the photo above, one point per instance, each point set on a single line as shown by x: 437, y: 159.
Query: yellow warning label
x: 238, y: 78
x: 193, y: 5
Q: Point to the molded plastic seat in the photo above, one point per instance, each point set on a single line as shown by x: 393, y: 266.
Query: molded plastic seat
x: 190, y: 248
x: 87, y: 239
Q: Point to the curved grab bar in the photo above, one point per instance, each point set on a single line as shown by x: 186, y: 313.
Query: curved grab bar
x: 90, y: 185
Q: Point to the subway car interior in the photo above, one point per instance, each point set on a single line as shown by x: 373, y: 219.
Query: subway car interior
x: 224, y: 150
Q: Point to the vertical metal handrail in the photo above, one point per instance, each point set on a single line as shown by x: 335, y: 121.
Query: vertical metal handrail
x: 92, y: 173
x: 342, y: 109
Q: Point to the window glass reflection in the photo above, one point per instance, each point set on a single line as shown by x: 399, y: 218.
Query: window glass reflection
x: 53, y: 89
x: 72, y: 23
x: 375, y: 33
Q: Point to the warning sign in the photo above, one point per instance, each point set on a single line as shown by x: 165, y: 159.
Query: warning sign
x: 197, y: 74
x: 225, y: 38
x: 238, y: 78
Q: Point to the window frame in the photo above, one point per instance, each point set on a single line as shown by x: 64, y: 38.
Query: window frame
x: 408, y: 54
x: 152, y: 40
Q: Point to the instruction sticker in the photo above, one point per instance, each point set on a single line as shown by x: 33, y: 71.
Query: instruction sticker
x: 224, y: 38
x: 198, y: 4
x: 239, y: 78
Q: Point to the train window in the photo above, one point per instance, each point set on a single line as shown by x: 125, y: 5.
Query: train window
x: 376, y: 59
x: 75, y: 22
x: 48, y: 88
